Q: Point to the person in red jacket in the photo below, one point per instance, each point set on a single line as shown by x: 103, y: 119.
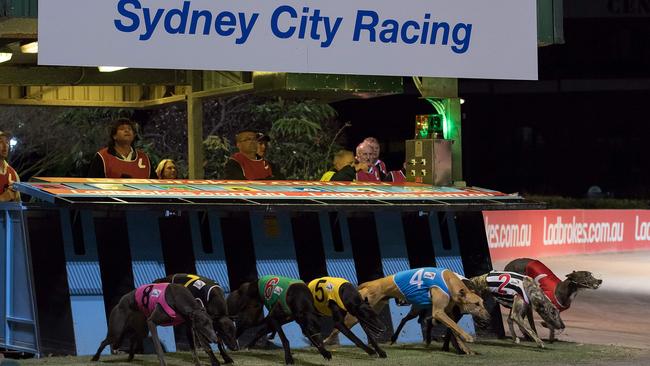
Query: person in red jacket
x: 246, y: 164
x: 8, y: 175
x: 120, y: 159
x: 368, y: 152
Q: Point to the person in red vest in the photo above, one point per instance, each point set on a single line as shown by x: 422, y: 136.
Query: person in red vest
x: 120, y: 159
x: 7, y: 174
x: 246, y: 164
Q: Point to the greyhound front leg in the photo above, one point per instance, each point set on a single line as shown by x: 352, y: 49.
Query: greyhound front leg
x: 339, y: 317
x: 348, y: 322
x: 443, y: 318
x: 191, y: 337
x: 156, y: 341
x: 462, y: 336
x: 357, y: 342
x: 374, y: 344
x: 531, y: 319
x: 449, y: 336
x: 516, y: 314
x: 551, y: 335
x: 288, y: 358
x: 511, y: 326
x: 222, y: 351
x: 531, y: 322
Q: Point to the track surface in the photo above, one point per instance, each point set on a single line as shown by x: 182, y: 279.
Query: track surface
x: 618, y: 312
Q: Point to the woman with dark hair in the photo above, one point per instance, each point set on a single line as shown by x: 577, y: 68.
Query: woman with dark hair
x: 119, y: 159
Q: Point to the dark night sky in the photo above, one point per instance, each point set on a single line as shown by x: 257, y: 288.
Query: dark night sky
x: 583, y: 123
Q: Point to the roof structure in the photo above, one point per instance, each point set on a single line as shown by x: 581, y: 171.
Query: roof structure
x: 25, y: 83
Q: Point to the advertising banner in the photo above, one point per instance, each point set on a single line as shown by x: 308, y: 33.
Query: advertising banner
x: 440, y: 38
x: 539, y: 233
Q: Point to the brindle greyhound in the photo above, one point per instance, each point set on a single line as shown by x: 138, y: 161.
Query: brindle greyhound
x: 246, y: 303
x: 211, y: 295
x: 519, y: 294
x: 378, y: 292
x: 560, y: 292
x: 336, y: 297
x: 173, y: 305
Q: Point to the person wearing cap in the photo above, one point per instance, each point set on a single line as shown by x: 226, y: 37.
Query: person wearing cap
x: 120, y: 159
x: 245, y: 164
x: 8, y: 175
x: 263, y: 141
x: 166, y: 169
x: 262, y: 145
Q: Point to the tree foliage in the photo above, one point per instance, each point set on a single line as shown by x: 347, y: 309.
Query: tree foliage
x: 62, y: 141
x: 302, y: 133
x: 54, y: 141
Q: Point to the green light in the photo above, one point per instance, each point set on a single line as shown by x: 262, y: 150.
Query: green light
x: 439, y: 106
x: 428, y: 126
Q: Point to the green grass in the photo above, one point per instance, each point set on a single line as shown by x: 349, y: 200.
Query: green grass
x: 490, y: 352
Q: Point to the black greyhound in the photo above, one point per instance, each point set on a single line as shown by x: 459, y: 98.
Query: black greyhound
x: 169, y: 304
x: 337, y: 297
x: 560, y: 292
x: 247, y: 301
x: 211, y: 295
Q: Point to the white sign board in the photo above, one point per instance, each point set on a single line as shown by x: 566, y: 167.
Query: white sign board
x: 494, y: 39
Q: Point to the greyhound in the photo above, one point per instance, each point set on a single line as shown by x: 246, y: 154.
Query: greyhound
x: 519, y: 293
x: 153, y: 305
x: 560, y: 292
x: 337, y: 297
x: 437, y: 287
x: 211, y: 295
x: 286, y: 300
x: 422, y: 311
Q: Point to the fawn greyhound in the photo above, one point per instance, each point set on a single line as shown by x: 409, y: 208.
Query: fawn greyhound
x: 438, y: 287
x: 424, y: 313
x: 156, y: 304
x: 337, y: 297
x: 561, y: 293
x: 286, y: 299
x: 211, y: 295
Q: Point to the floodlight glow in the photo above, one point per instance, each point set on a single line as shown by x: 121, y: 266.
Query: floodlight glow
x: 110, y: 68
x: 5, y: 56
x: 31, y: 47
